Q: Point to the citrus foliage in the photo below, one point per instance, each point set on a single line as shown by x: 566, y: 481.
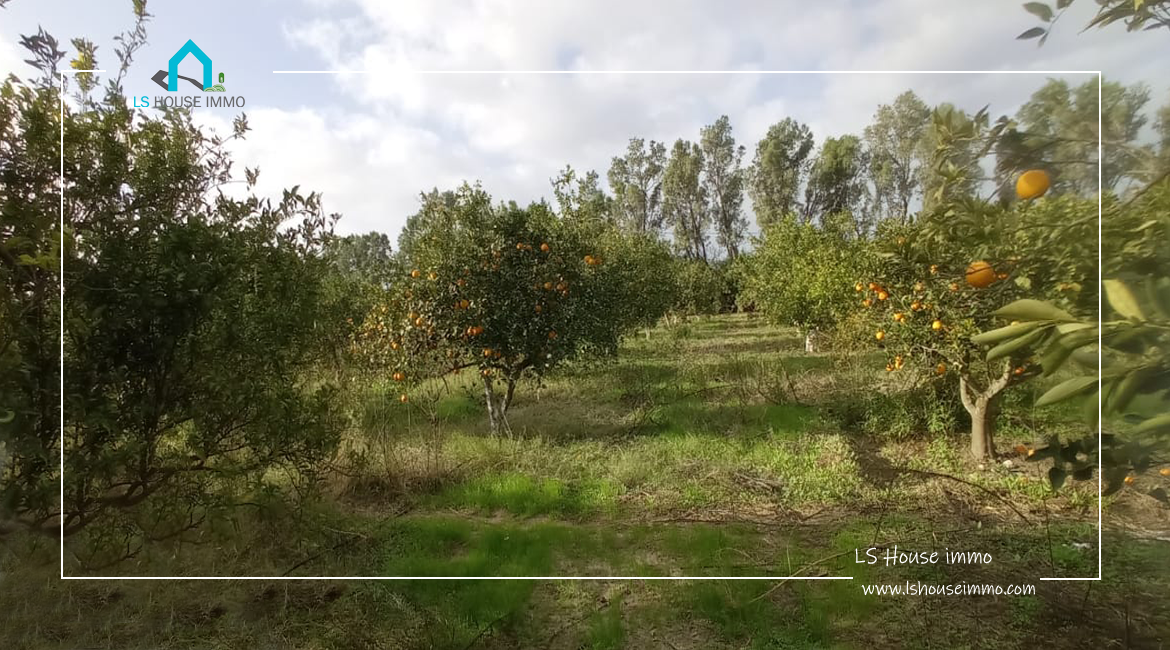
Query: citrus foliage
x: 190, y: 326
x: 510, y: 291
x: 1134, y: 371
x: 799, y: 273
x: 942, y: 278
x: 698, y: 288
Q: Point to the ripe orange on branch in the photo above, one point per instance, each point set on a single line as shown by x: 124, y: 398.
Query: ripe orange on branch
x: 1032, y: 184
x: 980, y: 274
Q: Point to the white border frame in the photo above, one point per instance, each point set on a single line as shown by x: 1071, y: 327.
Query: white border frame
x: 583, y: 578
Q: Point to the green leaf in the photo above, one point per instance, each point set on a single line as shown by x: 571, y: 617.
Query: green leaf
x: 1158, y: 423
x: 1065, y: 328
x: 1011, y: 331
x: 1054, y: 358
x: 1066, y: 389
x: 1029, y: 309
x: 1031, y: 33
x: 1125, y: 390
x: 1158, y: 295
x: 1007, y: 347
x: 1056, y: 477
x: 1122, y: 300
x: 1039, y: 10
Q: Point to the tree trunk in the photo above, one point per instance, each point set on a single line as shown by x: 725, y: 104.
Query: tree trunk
x: 982, y: 430
x: 494, y: 416
x: 983, y: 407
x: 507, y: 400
x: 810, y: 344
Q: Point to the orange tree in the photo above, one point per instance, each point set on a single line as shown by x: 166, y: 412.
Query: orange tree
x: 799, y: 273
x: 1131, y: 386
x: 940, y: 280
x: 508, y: 291
x: 698, y: 288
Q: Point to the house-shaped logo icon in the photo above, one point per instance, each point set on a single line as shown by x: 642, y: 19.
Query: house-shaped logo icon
x: 171, y: 75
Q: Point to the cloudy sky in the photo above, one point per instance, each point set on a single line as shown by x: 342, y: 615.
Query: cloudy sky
x: 392, y: 126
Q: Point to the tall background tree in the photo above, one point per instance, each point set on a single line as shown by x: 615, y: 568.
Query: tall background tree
x: 778, y: 169
x: 684, y: 200
x: 836, y: 183
x: 636, y: 181
x: 893, y: 140
x: 723, y: 178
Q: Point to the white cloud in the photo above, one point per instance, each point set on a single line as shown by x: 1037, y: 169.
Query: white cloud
x: 402, y: 132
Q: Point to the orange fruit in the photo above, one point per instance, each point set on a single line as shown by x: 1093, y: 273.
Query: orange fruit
x: 519, y: 246
x: 433, y: 276
x: 933, y: 269
x: 954, y: 286
x: 1165, y: 471
x: 589, y: 260
x: 889, y: 368
x: 418, y: 322
x: 872, y: 286
x: 858, y: 287
x: 1129, y: 480
x: 1018, y: 371
x: 882, y: 295
x: 916, y: 306
x: 936, y: 325
x: 1032, y: 184
x: 415, y: 273
x: 940, y: 368
x: 980, y: 274
x: 879, y: 335
x: 486, y: 372
x: 899, y: 316
x: 548, y: 286
x: 544, y: 248
x: 487, y: 352
x: 394, y: 345
x: 402, y: 398
x: 552, y: 335
x: 867, y: 302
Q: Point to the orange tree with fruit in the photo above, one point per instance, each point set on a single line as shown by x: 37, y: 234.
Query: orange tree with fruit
x: 1127, y: 376
x: 508, y: 292
x: 940, y: 280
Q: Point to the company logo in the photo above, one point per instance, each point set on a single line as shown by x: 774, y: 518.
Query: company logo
x: 169, y: 80
x: 171, y: 75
